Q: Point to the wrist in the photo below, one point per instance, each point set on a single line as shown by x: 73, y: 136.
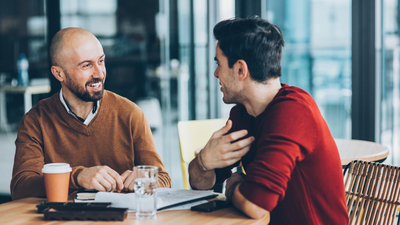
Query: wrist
x: 201, y: 163
x: 79, y: 180
x: 76, y: 178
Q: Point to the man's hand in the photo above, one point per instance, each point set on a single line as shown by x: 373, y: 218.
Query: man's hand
x: 234, y: 180
x: 101, y: 178
x: 220, y: 152
x: 129, y: 180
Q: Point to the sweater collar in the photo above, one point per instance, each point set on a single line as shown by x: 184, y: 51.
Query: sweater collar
x: 89, y: 118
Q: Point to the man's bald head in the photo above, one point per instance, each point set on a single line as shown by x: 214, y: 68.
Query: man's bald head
x: 62, y: 39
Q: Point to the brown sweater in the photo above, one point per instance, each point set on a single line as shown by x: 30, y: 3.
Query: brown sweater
x: 118, y: 136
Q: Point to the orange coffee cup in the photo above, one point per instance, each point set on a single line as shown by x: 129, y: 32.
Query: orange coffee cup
x: 56, y: 181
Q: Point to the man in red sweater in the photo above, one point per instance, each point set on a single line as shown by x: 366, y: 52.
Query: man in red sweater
x: 292, y: 165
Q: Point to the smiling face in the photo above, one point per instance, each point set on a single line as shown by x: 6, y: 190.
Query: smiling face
x: 83, y: 66
x: 226, y: 78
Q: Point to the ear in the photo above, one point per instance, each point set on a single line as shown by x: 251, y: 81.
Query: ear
x: 58, y: 73
x: 242, y: 69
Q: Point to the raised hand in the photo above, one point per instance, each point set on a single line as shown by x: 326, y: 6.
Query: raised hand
x: 223, y: 149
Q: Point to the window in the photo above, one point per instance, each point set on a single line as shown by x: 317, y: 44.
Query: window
x: 317, y: 54
x: 390, y: 80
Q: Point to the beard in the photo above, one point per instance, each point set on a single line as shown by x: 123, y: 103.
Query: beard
x: 83, y: 93
x: 231, y: 95
x: 229, y: 100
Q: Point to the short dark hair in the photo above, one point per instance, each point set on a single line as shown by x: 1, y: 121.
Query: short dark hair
x: 256, y: 41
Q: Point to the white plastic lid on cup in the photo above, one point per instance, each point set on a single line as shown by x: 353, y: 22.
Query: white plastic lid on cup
x: 56, y: 168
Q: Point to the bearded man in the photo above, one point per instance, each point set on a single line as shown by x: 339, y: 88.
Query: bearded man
x: 99, y: 133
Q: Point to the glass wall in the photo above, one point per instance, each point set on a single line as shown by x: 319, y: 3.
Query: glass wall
x: 390, y: 79
x: 199, y: 96
x: 317, y: 54
x: 23, y: 30
x: 23, y: 27
x: 200, y: 35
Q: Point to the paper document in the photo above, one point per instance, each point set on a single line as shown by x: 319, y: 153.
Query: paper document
x: 166, y: 198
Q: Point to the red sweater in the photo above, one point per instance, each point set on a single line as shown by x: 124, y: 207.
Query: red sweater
x: 293, y: 167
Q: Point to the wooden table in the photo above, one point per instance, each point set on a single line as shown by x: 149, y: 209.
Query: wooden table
x: 24, y: 211
x: 350, y: 150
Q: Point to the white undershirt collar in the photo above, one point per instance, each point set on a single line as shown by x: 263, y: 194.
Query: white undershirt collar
x: 88, y: 118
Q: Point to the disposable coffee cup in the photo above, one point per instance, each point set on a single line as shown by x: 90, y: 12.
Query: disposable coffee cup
x: 56, y: 181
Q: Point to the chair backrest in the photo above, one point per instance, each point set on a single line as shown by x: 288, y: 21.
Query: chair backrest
x: 372, y: 192
x: 194, y: 135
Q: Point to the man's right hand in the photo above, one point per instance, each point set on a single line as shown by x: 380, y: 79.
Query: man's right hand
x: 223, y: 149
x: 101, y: 178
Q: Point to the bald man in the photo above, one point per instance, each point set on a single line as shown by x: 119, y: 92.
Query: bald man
x: 99, y: 133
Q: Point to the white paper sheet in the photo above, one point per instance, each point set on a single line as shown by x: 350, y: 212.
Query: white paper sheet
x: 165, y: 197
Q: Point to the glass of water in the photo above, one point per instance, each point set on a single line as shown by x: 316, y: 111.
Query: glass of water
x: 145, y: 191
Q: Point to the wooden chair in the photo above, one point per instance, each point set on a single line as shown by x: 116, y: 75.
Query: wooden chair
x: 193, y: 135
x: 372, y: 192
x: 351, y: 150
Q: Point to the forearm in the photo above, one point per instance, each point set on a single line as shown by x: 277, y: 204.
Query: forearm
x: 27, y: 186
x: 249, y: 208
x: 199, y: 177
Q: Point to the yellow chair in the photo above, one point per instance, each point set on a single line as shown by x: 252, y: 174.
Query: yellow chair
x: 193, y: 135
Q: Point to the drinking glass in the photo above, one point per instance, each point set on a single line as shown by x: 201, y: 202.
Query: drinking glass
x: 145, y: 191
